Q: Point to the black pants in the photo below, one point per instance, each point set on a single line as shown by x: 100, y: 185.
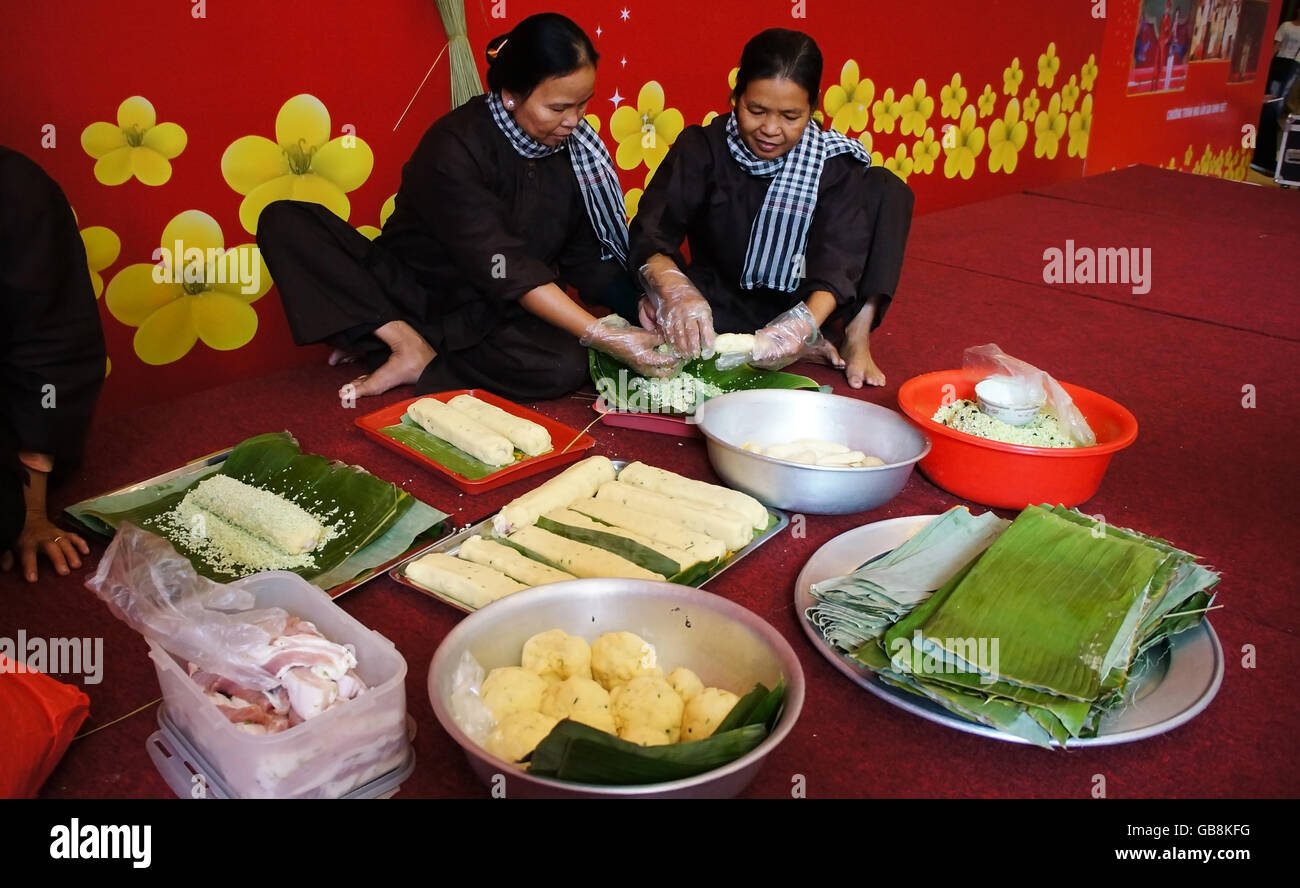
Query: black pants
x: 338, y: 287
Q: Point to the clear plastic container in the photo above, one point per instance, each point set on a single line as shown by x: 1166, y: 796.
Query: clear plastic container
x: 328, y: 756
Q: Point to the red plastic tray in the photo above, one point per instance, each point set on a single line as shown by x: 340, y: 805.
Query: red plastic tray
x: 660, y: 423
x: 568, y: 443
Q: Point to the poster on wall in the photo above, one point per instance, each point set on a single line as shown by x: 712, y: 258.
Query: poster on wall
x: 1250, y: 41
x: 1160, y: 48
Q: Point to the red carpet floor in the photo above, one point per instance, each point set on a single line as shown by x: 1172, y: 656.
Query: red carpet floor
x: 1205, y: 473
x: 1235, y: 277
x: 1236, y: 206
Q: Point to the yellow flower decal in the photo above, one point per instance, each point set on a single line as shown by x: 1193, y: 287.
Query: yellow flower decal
x: 900, y: 164
x: 886, y: 111
x: 303, y: 163
x: 917, y: 108
x: 925, y: 152
x: 1048, y: 65
x: 1080, y: 128
x: 385, y: 211
x: 1187, y: 158
x: 847, y: 101
x: 102, y: 249
x: 869, y: 143
x: 1032, y: 104
x: 1088, y: 73
x: 1069, y: 94
x: 1006, y: 137
x: 136, y: 146
x: 592, y: 121
x: 987, y: 100
x: 644, y: 133
x: 952, y: 97
x: 1049, y: 126
x: 632, y: 200
x: 732, y: 75
x: 969, y: 140
x: 1012, y: 77
x: 198, y: 295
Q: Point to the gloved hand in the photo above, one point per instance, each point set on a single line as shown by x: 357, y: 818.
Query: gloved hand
x: 637, y: 348
x: 785, y: 337
x: 678, y: 310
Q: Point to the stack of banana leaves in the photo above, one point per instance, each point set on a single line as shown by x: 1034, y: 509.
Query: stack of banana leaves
x: 1038, y: 635
x: 625, y: 390
x: 375, y: 520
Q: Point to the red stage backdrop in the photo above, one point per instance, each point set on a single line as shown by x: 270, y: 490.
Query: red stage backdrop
x: 177, y: 120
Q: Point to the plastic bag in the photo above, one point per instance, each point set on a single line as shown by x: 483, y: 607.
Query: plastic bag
x: 468, y: 710
x: 156, y: 591
x: 982, y: 361
x: 40, y: 717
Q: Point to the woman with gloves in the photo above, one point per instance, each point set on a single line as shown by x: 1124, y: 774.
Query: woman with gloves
x: 787, y: 224
x: 506, y: 200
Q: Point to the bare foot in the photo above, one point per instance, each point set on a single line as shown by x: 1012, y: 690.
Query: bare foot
x: 410, y: 355
x: 857, y: 352
x: 342, y: 356
x: 824, y: 352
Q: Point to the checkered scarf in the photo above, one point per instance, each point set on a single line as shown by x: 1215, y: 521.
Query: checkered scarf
x: 779, y: 237
x: 593, y: 167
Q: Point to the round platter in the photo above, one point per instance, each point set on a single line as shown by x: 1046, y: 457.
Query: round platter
x: 1173, y: 691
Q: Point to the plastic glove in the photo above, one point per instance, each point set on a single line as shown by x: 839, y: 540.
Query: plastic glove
x: 785, y: 337
x: 679, y: 311
x: 637, y: 348
x: 732, y: 360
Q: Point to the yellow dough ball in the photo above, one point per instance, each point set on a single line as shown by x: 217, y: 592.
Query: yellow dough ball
x: 557, y: 655
x: 580, y: 699
x: 705, y: 712
x: 518, y: 734
x: 512, y: 689
x: 647, y: 710
x: 685, y: 682
x: 618, y: 657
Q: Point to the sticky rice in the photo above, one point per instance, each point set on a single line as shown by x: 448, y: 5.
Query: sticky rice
x: 966, y: 416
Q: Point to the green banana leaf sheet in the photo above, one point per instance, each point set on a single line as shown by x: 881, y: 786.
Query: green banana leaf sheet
x: 377, y: 521
x: 622, y: 387
x: 447, y: 455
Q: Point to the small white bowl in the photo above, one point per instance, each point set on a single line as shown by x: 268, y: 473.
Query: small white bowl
x: 1002, y: 398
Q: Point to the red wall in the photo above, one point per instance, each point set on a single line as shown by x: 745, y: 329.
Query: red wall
x: 225, y: 76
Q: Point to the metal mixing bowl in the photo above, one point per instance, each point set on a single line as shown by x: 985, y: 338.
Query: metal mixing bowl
x: 726, y: 645
x: 774, y: 416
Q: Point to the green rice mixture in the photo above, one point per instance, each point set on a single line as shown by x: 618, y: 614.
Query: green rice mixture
x: 966, y: 416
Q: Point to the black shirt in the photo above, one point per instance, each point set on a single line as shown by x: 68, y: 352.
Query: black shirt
x: 700, y: 194
x: 481, y: 225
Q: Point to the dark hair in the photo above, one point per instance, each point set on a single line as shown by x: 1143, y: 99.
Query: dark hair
x: 778, y: 53
x: 540, y: 47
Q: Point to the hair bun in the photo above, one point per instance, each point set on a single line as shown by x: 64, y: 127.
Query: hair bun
x: 494, y: 47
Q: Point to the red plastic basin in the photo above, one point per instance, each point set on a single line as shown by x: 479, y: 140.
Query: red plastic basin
x: 1014, y: 476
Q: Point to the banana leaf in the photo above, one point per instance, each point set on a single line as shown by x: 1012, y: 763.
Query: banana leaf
x: 614, y: 381
x: 635, y: 552
x: 450, y: 457
x: 376, y: 520
x: 1041, y: 568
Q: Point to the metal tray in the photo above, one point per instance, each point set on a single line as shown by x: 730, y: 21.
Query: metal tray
x: 451, y: 545
x: 200, y: 465
x: 1178, y: 687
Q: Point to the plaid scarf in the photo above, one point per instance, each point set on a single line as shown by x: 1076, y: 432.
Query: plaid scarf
x: 593, y: 167
x: 779, y: 236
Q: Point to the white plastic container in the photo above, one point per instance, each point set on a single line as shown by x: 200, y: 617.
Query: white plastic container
x: 328, y: 756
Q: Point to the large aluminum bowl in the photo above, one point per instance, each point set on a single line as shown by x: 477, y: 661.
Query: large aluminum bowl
x: 722, y: 642
x: 773, y: 416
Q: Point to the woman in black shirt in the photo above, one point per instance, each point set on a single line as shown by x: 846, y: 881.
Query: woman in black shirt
x: 506, y: 199
x: 786, y: 223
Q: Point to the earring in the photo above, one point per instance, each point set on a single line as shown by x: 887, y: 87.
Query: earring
x: 510, y: 105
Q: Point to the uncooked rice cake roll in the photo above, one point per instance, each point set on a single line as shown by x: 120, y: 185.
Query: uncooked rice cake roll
x: 510, y: 562
x: 528, y: 436
x: 467, y: 582
x: 263, y: 514
x: 462, y: 431
x: 579, y: 481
